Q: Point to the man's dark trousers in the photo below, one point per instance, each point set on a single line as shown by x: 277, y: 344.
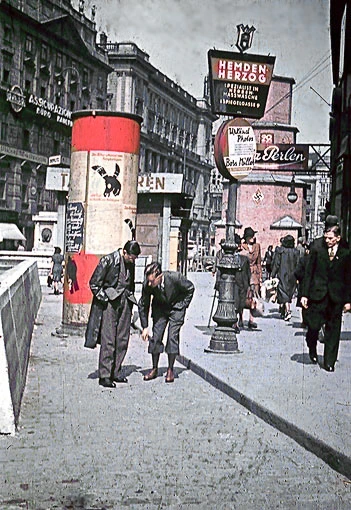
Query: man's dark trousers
x: 329, y: 313
x: 175, y: 319
x: 115, y: 332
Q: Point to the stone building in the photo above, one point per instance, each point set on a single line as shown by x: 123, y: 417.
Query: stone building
x: 175, y: 156
x: 282, y: 165
x: 340, y: 118
x: 50, y: 66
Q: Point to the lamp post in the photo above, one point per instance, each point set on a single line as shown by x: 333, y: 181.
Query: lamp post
x: 62, y: 80
x: 235, y: 149
x: 223, y: 339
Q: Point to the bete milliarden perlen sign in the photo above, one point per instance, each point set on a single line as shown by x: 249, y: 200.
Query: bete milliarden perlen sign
x: 239, y: 83
x: 235, y: 149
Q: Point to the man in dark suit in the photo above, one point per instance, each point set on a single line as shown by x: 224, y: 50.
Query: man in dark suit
x: 326, y: 293
x: 112, y: 285
x: 171, y: 295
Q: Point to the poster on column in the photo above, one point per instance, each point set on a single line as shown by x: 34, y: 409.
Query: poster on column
x: 111, y: 199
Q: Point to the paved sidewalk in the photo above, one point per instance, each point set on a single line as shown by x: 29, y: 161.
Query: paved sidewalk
x: 274, y: 378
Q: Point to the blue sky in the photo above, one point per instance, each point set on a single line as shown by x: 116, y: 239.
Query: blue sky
x: 178, y: 33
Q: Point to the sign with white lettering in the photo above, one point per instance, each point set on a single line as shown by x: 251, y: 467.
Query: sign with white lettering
x: 55, y: 160
x: 21, y: 154
x: 235, y: 149
x: 57, y: 178
x: 282, y: 156
x: 239, y: 83
x: 16, y: 98
x: 160, y: 183
x: 74, y: 227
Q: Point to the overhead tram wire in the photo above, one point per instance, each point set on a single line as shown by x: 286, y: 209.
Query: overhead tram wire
x: 315, y: 71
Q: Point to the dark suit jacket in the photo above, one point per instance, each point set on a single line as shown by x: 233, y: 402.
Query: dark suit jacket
x: 178, y: 293
x: 323, y: 276
x: 105, y: 276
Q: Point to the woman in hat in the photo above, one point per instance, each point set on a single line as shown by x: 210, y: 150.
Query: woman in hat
x: 285, y: 261
x: 252, y: 250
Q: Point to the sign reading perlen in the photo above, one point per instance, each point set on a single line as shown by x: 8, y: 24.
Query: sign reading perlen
x: 239, y: 83
x: 235, y: 149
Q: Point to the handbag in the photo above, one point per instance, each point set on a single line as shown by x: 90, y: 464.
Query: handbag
x: 254, y: 303
x: 258, y: 307
x: 249, y: 301
x: 49, y: 281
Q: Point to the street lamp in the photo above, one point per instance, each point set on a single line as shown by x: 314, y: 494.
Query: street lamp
x: 234, y: 159
x: 292, y: 195
x: 62, y: 80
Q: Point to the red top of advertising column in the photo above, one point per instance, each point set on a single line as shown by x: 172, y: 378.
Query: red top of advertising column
x: 104, y: 130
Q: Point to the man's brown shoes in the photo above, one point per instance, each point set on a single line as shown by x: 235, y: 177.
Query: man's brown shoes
x: 169, y: 375
x: 151, y: 375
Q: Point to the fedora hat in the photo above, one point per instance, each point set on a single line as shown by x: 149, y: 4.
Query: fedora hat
x: 249, y: 232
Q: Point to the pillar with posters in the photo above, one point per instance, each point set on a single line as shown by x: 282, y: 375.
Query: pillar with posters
x: 102, y: 201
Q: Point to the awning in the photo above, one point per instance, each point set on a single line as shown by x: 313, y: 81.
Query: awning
x: 286, y: 223
x: 220, y: 223
x: 10, y: 231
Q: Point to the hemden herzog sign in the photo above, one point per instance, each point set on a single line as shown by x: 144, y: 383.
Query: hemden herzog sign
x: 239, y: 84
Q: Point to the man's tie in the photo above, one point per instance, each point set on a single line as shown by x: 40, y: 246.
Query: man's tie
x: 331, y: 253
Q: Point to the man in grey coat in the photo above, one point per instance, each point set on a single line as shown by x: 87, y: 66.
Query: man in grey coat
x: 171, y: 295
x: 112, y: 285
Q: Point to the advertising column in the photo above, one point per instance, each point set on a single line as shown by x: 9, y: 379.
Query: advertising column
x: 102, y: 200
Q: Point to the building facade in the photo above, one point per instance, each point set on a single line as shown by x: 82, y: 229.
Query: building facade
x: 264, y: 201
x: 340, y: 119
x: 175, y: 156
x: 50, y: 66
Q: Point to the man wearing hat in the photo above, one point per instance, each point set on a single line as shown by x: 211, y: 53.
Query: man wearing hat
x: 112, y: 285
x: 252, y: 250
x: 326, y: 292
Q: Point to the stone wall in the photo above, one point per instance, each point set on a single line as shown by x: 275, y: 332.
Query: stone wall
x: 20, y: 298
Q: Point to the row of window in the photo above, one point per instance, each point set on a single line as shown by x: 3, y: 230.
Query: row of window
x: 41, y: 140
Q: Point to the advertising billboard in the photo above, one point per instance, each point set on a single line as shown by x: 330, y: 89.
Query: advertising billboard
x: 239, y: 83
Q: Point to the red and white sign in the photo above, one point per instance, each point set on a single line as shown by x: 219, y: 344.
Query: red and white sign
x: 235, y: 149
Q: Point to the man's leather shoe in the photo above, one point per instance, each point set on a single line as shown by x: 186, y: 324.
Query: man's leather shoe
x: 329, y: 368
x: 151, y: 375
x: 120, y: 379
x: 252, y: 325
x: 236, y: 329
x: 169, y: 376
x: 106, y: 382
x: 313, y: 356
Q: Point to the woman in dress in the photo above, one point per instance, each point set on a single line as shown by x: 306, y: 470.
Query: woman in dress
x: 56, y: 271
x: 252, y: 250
x: 285, y: 260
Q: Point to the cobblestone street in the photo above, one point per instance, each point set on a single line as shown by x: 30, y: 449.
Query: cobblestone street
x: 147, y: 445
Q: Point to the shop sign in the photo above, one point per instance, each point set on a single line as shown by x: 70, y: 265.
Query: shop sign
x: 235, y: 149
x: 55, y: 160
x: 160, y: 183
x: 239, y: 83
x: 282, y: 156
x: 21, y: 154
x: 45, y: 108
x: 16, y: 98
x: 57, y: 178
